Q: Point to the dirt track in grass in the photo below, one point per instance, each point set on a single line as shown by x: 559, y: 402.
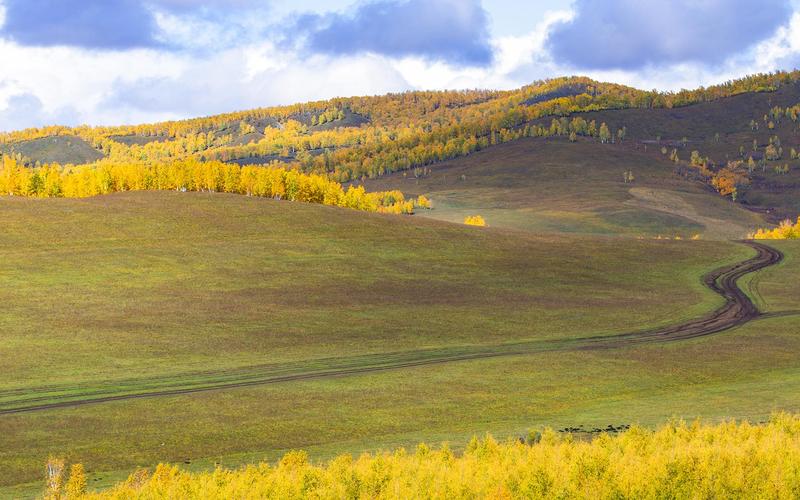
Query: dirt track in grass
x: 737, y: 310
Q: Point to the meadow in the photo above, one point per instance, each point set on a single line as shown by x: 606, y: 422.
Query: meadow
x: 548, y: 185
x: 217, y: 329
x: 129, y: 292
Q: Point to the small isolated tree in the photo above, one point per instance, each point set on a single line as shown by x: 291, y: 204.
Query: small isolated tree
x: 423, y: 202
x: 773, y: 153
x: 573, y: 137
x: 54, y: 478
x: 605, y: 133
x: 782, y: 170
x: 475, y: 220
x: 76, y: 484
x: 628, y: 177
x: 696, y: 159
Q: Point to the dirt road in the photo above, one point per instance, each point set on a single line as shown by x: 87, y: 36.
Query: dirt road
x: 737, y: 310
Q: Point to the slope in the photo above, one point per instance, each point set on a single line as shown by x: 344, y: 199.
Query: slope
x: 552, y: 185
x: 119, y: 290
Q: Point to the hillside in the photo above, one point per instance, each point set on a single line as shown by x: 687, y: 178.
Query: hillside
x: 736, y: 141
x: 206, y: 313
x: 550, y: 185
x: 175, y: 292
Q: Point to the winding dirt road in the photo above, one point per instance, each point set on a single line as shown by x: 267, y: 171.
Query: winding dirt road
x: 737, y: 310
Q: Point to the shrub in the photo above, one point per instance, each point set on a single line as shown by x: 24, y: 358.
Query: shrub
x: 475, y: 220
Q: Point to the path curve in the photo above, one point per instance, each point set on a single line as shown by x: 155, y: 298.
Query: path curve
x: 737, y: 310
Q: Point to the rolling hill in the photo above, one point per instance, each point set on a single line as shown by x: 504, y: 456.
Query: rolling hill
x: 688, y: 152
x: 209, y: 328
x: 133, y: 293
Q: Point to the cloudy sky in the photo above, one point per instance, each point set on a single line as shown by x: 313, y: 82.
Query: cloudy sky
x: 131, y: 61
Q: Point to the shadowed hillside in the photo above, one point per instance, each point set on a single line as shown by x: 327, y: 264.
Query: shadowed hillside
x: 553, y: 185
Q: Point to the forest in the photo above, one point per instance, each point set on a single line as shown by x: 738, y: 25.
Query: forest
x: 366, y: 137
x: 677, y: 460
x: 52, y: 181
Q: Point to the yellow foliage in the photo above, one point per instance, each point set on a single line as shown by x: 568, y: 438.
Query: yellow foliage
x: 399, y: 131
x: 475, y: 220
x: 193, y: 175
x: 423, y: 202
x: 785, y: 231
x: 54, y: 478
x: 76, y: 485
x: 678, y: 460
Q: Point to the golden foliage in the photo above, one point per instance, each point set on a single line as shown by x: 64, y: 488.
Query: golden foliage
x: 678, y: 460
x: 785, y: 231
x: 423, y: 202
x: 76, y: 484
x: 474, y: 220
x: 730, y: 179
x: 395, y: 132
x: 193, y: 175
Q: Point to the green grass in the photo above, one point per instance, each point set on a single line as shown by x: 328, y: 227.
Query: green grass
x: 163, y: 283
x: 130, y: 290
x: 553, y: 186
x: 776, y: 290
x: 745, y: 373
x: 62, y: 149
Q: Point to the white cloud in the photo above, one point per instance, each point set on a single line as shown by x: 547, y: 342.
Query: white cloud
x: 523, y: 54
x: 62, y: 77
x: 247, y: 78
x: 41, y: 86
x: 781, y: 49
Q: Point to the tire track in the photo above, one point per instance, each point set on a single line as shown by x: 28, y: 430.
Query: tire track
x: 737, y: 310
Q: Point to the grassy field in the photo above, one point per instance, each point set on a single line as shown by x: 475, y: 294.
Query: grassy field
x: 130, y: 290
x: 746, y: 373
x: 552, y: 185
x: 65, y: 150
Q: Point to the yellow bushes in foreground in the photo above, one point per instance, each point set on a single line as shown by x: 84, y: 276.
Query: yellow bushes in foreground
x: 729, y: 460
x: 786, y: 231
x: 193, y: 175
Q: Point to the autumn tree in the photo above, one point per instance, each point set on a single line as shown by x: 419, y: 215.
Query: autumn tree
x: 605, y: 133
x: 628, y: 177
x: 76, y: 484
x: 773, y: 153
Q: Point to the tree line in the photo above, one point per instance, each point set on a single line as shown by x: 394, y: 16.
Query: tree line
x: 677, y: 460
x: 785, y: 231
x: 194, y: 175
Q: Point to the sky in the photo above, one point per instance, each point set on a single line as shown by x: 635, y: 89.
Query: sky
x: 108, y: 62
